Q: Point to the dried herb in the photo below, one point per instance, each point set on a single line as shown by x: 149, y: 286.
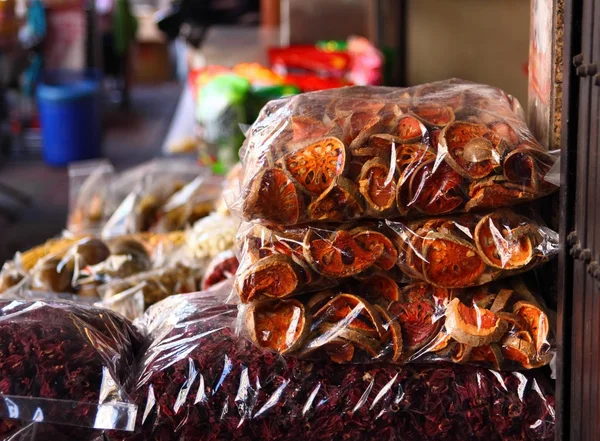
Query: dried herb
x: 201, y: 382
x: 63, y: 351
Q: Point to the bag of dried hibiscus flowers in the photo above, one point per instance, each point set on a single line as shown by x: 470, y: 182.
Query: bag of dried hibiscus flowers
x: 201, y: 381
x: 63, y: 368
x: 377, y: 152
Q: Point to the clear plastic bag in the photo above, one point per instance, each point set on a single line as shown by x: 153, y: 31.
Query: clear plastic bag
x: 500, y: 325
x: 90, y: 197
x: 450, y: 252
x: 199, y: 381
x: 354, y: 152
x: 65, y: 366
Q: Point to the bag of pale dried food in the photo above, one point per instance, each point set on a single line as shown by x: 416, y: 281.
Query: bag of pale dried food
x: 355, y: 152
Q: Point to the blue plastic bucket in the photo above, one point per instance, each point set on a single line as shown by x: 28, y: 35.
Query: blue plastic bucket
x: 70, y: 114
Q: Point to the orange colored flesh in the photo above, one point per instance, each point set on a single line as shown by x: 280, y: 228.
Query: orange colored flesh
x: 477, y: 317
x: 379, y: 193
x: 277, y: 198
x: 436, y: 192
x: 436, y: 115
x: 409, y: 129
x: 514, y: 252
x: 372, y: 241
x: 451, y: 264
x: 279, y: 327
x: 457, y: 136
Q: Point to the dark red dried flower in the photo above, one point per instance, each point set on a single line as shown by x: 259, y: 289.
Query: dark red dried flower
x: 62, y: 351
x: 201, y: 382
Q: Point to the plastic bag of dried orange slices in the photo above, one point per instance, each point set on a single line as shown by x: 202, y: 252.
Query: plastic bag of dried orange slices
x: 377, y: 152
x: 499, y: 325
x: 454, y: 251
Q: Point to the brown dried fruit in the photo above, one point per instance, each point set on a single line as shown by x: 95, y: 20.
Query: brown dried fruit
x: 281, y: 325
x: 435, y: 192
x: 505, y: 131
x: 489, y: 354
x: 273, y: 197
x: 473, y: 326
x: 450, y: 262
x: 393, y: 331
x: 354, y: 312
x: 469, y: 153
x: 434, y: 114
x: 416, y: 313
x: 527, y: 167
x: 501, y: 300
x: 518, y: 350
x: 493, y: 192
x: 315, y: 166
x: 502, y: 242
x: 339, y: 350
x: 456, y: 352
x: 339, y: 256
x: 305, y: 127
x: 410, y: 130
x: 380, y: 288
x: 538, y: 322
x: 339, y: 202
x: 370, y: 240
x: 273, y: 276
x: 377, y: 185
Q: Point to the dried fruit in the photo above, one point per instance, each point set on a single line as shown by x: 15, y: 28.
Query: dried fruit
x: 434, y: 114
x: 473, y: 326
x: 518, y: 350
x: 371, y: 241
x: 434, y: 190
x: 410, y: 130
x: 494, y: 192
x: 339, y: 350
x: 377, y: 185
x: 450, y: 262
x: 280, y: 325
x: 305, y: 127
x: 538, y: 322
x: 352, y: 312
x: 222, y: 267
x: 505, y: 131
x: 315, y: 166
x: 273, y: 197
x: 490, y: 354
x: 527, y: 166
x: 380, y: 288
x: 416, y: 313
x: 339, y: 256
x: 502, y: 241
x: 393, y: 332
x: 469, y: 153
x: 91, y: 251
x: 456, y: 352
x: 273, y: 276
x: 339, y: 202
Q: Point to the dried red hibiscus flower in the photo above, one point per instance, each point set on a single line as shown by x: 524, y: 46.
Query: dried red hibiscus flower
x: 62, y: 351
x: 201, y: 382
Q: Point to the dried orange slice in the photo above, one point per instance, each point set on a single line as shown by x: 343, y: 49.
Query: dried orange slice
x: 441, y: 342
x: 339, y: 350
x: 280, y: 326
x: 339, y: 256
x: 315, y: 166
x: 377, y: 185
x: 380, y: 288
x: 493, y: 192
x: 436, y: 191
x: 490, y: 355
x: 433, y: 114
x: 538, y: 322
x: 354, y: 312
x: 515, y: 322
x: 305, y: 127
x: 527, y: 166
x: 519, y: 351
x: 393, y: 332
x: 450, y: 262
x: 415, y: 311
x: 502, y: 243
x: 455, y: 352
x: 339, y: 202
x: 361, y: 126
x: 473, y: 326
x: 371, y: 241
x: 469, y: 153
x: 273, y: 197
x: 410, y: 130
x: 273, y: 276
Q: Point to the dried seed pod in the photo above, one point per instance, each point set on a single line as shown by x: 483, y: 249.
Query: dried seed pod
x: 377, y: 185
x: 473, y: 326
x: 393, y: 332
x: 273, y: 276
x: 450, y: 262
x: 339, y: 202
x: 489, y: 354
x: 315, y: 166
x: 502, y: 243
x: 416, y: 314
x: 468, y: 152
x: 538, y: 323
x: 273, y: 197
x: 371, y: 240
x: 410, y: 130
x: 435, y: 191
x: 433, y: 114
x: 340, y: 256
x: 281, y: 326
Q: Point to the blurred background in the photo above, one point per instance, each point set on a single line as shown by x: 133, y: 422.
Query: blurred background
x: 125, y: 81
